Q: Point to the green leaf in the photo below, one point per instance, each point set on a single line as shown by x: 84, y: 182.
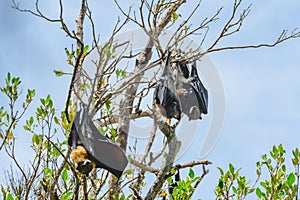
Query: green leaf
x: 234, y: 189
x: 170, y: 180
x: 231, y: 168
x: 107, y: 104
x: 103, y: 130
x: 8, y: 77
x: 64, y: 175
x: 124, y: 75
x: 43, y: 102
x: 118, y: 73
x: 296, y: 152
x: 106, y: 50
x: 85, y: 49
x: 263, y: 184
x: 26, y: 128
x: 67, y: 196
x: 221, y: 171
x: 56, y: 120
x: 175, y: 16
x: 58, y: 72
x: 48, y: 99
x: 221, y: 183
x: 36, y: 139
x: 129, y: 171
x: 31, y: 120
x: 258, y: 193
x: 122, y: 197
x: 77, y: 52
x: 129, y: 158
x: 47, y: 170
x: 67, y: 51
x: 9, y: 197
x: 113, y: 132
x: 291, y: 179
x: 191, y: 173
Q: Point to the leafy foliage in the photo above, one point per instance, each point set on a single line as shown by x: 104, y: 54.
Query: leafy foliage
x: 281, y: 184
x: 185, y: 188
x: 231, y: 184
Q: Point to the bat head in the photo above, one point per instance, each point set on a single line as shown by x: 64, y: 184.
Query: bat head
x: 83, y: 163
x: 85, y: 167
x: 194, y: 113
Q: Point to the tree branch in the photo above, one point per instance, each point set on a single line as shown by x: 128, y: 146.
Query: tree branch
x: 174, y: 146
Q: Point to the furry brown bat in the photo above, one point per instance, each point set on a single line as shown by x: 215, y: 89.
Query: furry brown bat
x: 83, y: 163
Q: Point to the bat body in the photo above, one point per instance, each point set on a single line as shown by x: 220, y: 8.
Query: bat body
x: 192, y: 93
x: 165, y: 96
x: 91, y: 149
x: 199, y: 89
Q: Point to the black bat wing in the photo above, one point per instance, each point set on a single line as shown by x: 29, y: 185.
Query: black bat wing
x: 105, y: 153
x: 167, y: 101
x: 199, y: 89
x: 73, y: 139
x: 165, y: 95
x: 201, y: 94
x: 184, y: 70
x: 188, y: 95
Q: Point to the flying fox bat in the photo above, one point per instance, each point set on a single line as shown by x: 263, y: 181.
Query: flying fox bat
x: 193, y: 95
x: 165, y: 96
x: 90, y: 149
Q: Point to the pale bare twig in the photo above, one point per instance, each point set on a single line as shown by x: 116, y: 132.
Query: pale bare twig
x: 146, y: 168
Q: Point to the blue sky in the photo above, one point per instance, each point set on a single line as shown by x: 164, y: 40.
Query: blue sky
x: 261, y: 85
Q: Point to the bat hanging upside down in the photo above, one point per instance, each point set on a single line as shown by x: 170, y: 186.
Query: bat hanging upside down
x: 92, y: 150
x: 191, y: 91
x: 83, y: 163
x: 165, y: 97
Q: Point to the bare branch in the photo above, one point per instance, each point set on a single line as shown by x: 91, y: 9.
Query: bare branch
x: 38, y: 13
x: 283, y: 37
x: 107, y: 120
x: 192, y: 164
x: 174, y: 146
x: 144, y: 167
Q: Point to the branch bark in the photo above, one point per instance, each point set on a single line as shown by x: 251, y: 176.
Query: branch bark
x: 174, y: 146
